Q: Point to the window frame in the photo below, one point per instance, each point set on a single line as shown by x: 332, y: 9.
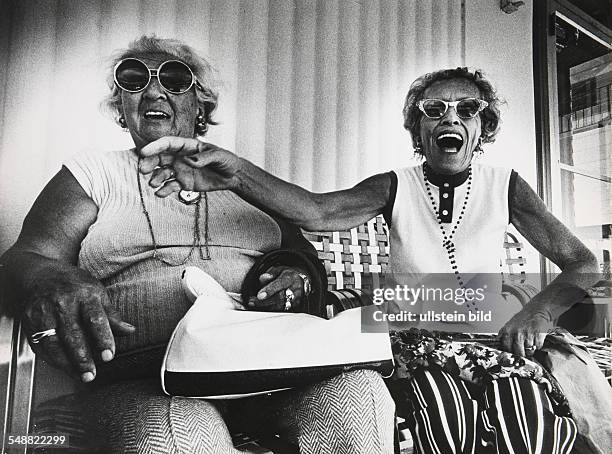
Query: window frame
x: 548, y: 162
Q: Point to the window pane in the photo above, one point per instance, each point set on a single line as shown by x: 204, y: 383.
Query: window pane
x: 587, y: 209
x: 584, y: 76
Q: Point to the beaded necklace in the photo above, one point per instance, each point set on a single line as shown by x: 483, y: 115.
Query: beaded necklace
x: 197, y: 236
x: 447, y: 242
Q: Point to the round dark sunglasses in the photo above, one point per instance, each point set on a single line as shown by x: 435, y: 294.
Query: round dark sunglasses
x: 174, y: 76
x: 465, y: 108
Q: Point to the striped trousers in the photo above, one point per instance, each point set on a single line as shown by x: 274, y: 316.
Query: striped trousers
x: 509, y: 416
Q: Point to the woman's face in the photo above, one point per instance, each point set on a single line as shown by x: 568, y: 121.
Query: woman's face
x: 153, y: 112
x: 449, y: 142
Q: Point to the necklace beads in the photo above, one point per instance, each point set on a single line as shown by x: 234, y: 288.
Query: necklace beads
x: 447, y: 239
x: 197, y: 235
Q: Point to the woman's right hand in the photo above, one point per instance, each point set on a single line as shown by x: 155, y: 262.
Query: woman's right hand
x: 78, y: 308
x: 177, y: 163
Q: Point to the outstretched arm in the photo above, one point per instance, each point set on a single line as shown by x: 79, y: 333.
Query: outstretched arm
x: 194, y: 165
x: 337, y: 210
x: 579, y: 269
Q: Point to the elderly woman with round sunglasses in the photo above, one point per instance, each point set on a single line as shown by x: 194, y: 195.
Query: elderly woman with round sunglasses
x: 447, y: 215
x: 99, y: 249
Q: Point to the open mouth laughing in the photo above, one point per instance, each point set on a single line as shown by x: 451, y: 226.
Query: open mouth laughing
x: 156, y: 115
x: 450, y: 142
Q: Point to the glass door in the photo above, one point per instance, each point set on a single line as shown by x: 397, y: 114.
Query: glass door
x: 584, y: 137
x: 575, y: 165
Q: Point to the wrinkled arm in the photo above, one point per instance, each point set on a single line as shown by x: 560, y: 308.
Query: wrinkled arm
x: 52, y: 232
x: 337, y: 210
x: 51, y: 291
x: 552, y: 239
x: 203, y: 166
x: 579, y: 270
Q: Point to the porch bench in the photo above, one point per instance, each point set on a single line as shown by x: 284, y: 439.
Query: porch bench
x: 358, y: 259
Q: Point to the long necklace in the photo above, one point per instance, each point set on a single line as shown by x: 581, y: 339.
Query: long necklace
x: 447, y: 241
x: 197, y: 237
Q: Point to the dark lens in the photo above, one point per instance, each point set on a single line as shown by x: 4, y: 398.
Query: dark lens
x: 132, y: 75
x: 434, y: 108
x: 175, y: 77
x: 468, y: 108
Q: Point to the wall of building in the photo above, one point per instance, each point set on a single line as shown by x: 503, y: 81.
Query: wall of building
x: 312, y: 90
x: 501, y: 45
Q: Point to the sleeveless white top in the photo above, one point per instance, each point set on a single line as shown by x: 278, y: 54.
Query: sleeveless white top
x: 418, y: 257
x: 118, y: 248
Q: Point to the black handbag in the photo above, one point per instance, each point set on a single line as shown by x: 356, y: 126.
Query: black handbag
x: 313, y: 304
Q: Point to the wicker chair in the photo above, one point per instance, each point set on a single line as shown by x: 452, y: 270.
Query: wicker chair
x: 357, y: 261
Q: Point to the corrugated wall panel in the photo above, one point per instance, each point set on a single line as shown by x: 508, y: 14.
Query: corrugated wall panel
x: 310, y: 89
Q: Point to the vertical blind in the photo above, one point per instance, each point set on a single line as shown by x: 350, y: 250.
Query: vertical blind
x: 312, y: 90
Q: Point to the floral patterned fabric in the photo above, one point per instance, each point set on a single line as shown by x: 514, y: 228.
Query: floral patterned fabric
x: 469, y: 359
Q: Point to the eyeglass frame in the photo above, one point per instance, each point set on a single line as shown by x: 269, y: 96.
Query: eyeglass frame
x: 481, y: 103
x: 154, y: 73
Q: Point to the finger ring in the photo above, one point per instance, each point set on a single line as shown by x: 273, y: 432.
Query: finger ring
x: 289, y: 297
x: 306, y: 286
x: 40, y: 335
x: 167, y: 166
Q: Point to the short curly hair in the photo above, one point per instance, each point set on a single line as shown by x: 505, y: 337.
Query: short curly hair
x: 152, y: 46
x: 491, y: 118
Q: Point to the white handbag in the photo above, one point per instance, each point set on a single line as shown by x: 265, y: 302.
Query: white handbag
x: 217, y: 351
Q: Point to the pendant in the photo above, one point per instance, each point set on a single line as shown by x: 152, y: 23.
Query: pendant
x: 189, y: 197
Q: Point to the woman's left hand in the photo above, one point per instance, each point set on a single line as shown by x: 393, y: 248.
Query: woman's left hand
x: 524, y: 333
x: 278, y: 284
